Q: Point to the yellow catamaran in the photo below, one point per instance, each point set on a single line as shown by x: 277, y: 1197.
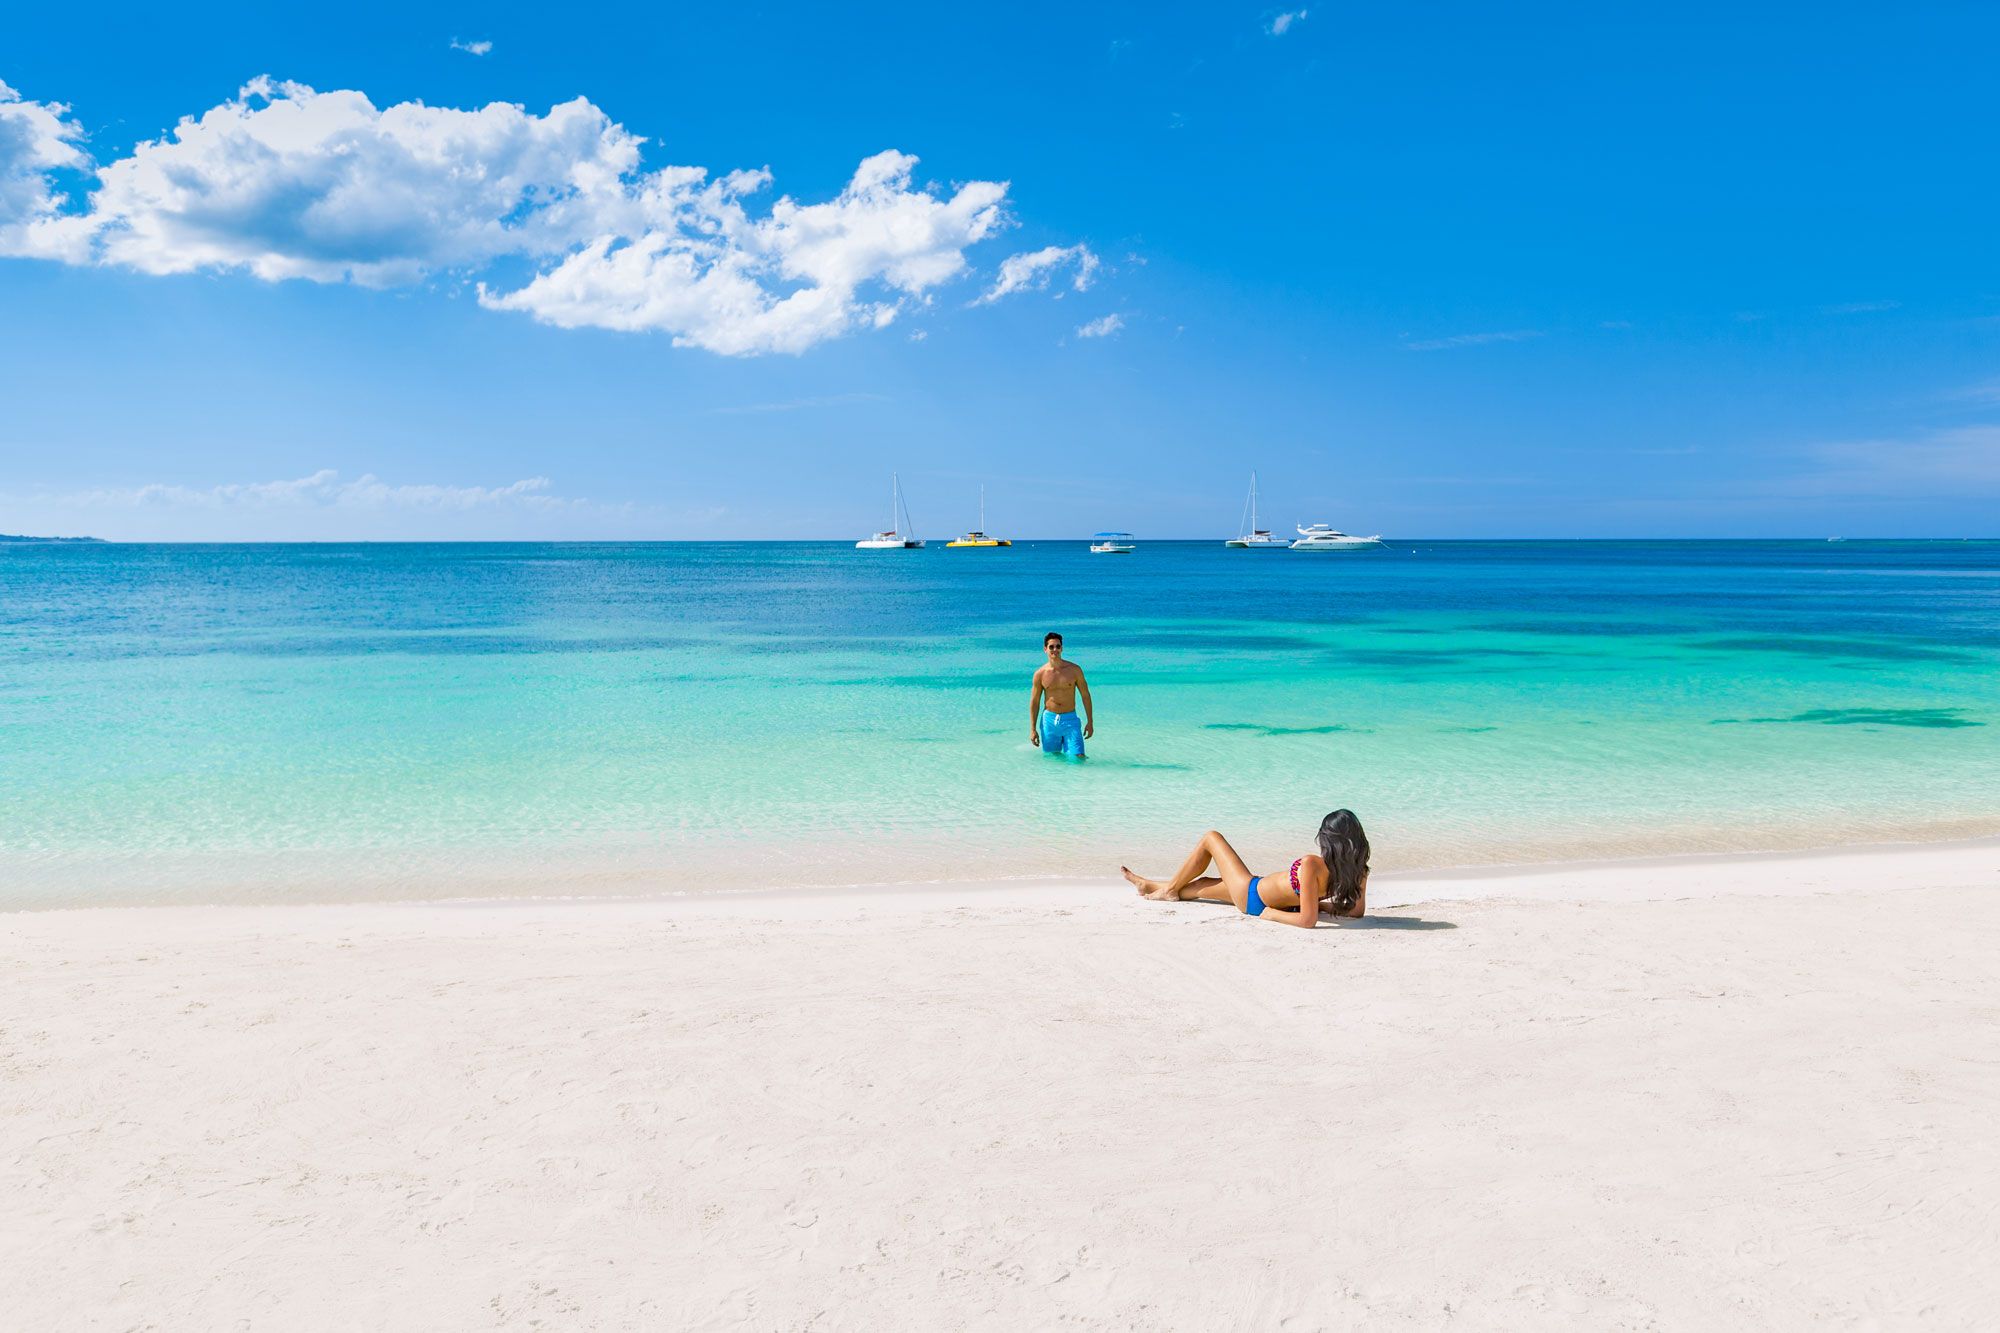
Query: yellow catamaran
x: 978, y: 537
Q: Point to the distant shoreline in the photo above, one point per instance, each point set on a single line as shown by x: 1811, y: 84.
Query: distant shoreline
x: 15, y: 537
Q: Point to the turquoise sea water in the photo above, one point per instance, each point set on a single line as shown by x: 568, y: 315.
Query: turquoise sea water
x: 200, y: 723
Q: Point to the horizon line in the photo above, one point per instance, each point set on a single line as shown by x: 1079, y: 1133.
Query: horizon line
x: 22, y: 540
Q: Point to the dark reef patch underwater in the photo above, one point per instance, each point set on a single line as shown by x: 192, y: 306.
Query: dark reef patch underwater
x: 1876, y: 717
x: 1261, y: 729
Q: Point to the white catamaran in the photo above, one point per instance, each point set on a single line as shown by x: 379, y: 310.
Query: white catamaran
x: 1254, y: 538
x: 899, y: 522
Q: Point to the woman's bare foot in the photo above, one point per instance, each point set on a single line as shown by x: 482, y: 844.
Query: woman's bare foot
x: 1147, y: 888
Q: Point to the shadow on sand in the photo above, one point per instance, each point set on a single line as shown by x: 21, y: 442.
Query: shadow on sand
x: 1369, y: 922
x: 1387, y: 923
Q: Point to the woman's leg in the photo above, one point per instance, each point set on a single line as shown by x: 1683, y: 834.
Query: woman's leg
x: 1208, y: 889
x: 1168, y: 890
x: 1231, y: 883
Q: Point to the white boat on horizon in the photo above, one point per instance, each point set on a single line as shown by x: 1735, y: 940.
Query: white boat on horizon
x: 1112, y: 543
x: 899, y: 515
x: 1320, y: 537
x: 1254, y: 538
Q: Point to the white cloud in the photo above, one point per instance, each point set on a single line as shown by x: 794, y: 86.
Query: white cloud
x: 478, y: 48
x: 1986, y: 391
x: 1958, y: 463
x: 36, y: 138
x: 286, y: 182
x: 1032, y: 270
x: 324, y: 506
x: 801, y: 404
x: 1101, y: 328
x: 1473, y: 340
x: 712, y: 277
x: 1282, y: 23
x: 322, y: 490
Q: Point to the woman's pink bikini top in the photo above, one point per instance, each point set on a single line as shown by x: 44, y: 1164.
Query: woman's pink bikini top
x: 1295, y: 875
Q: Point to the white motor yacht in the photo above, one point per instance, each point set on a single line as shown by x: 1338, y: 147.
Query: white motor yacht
x: 1319, y: 537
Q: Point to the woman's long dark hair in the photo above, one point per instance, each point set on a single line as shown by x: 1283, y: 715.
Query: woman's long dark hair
x: 1344, y: 848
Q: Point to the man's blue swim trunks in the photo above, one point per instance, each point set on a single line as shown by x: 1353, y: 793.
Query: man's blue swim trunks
x: 1062, y: 734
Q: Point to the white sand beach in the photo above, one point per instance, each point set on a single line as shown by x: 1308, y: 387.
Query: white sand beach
x: 1755, y: 1092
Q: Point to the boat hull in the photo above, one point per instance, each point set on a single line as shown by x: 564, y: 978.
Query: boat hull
x: 1349, y: 544
x: 889, y: 546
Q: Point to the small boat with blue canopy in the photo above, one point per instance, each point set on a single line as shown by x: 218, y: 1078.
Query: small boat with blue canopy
x: 1112, y: 543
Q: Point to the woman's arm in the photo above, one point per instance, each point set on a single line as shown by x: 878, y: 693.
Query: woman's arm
x: 1311, y: 883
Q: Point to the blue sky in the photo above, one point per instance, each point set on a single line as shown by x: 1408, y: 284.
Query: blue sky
x: 1434, y: 270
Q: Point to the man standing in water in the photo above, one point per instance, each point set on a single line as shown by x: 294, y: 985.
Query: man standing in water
x: 1052, y: 704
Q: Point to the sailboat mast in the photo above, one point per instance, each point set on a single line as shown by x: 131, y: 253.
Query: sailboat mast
x: 895, y: 503
x: 1253, y: 500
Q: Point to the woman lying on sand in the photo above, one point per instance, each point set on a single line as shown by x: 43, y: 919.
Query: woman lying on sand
x: 1335, y: 881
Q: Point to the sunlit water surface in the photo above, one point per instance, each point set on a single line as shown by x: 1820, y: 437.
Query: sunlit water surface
x: 202, y: 723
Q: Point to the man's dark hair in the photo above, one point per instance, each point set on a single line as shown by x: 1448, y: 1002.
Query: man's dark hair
x: 1051, y: 635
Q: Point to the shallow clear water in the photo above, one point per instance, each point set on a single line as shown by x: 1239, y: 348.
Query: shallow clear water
x: 209, y: 722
